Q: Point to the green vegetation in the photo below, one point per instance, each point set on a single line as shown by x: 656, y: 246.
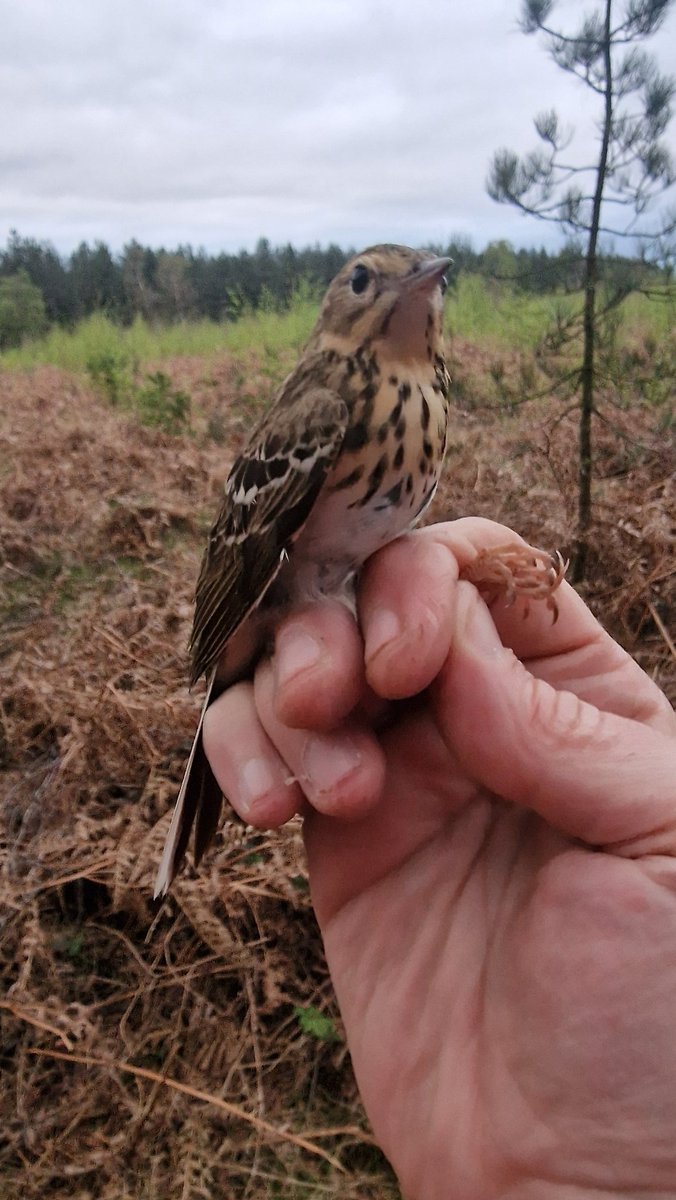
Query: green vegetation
x: 650, y: 317
x: 273, y: 330
x: 493, y: 315
x: 190, y: 289
x: 497, y: 316
x: 155, y: 400
x: 316, y: 1024
x: 97, y: 337
x: 22, y: 310
x: 160, y: 403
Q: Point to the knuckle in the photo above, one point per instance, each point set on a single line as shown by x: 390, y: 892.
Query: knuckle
x: 560, y: 718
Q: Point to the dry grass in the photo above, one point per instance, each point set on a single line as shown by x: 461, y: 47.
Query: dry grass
x: 155, y: 1051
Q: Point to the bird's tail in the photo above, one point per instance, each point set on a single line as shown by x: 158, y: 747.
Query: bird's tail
x: 199, y: 804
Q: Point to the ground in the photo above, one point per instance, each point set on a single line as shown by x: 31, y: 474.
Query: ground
x: 183, y: 1049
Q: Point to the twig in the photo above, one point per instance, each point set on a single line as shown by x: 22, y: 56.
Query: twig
x: 662, y: 628
x: 224, y: 1105
x: 562, y: 416
x: 86, y: 871
x: 22, y: 1015
x: 620, y: 432
x: 118, y: 645
x: 344, y: 1131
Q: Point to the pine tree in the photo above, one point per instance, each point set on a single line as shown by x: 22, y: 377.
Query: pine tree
x: 608, y: 198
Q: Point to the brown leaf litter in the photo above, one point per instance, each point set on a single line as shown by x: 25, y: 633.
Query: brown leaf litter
x: 155, y: 1052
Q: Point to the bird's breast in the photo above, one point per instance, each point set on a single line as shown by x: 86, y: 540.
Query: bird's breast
x: 384, y: 478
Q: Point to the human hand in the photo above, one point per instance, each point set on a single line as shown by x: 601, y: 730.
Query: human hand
x: 492, y: 865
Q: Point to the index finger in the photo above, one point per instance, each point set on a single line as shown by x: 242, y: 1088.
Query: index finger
x: 573, y: 652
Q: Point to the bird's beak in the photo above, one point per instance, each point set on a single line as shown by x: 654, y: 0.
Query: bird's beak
x: 428, y: 275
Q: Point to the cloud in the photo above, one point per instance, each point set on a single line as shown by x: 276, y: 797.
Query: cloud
x: 215, y: 123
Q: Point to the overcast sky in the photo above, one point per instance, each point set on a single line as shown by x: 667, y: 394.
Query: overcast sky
x: 215, y: 122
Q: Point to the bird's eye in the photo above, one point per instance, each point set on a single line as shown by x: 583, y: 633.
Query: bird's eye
x: 359, y: 279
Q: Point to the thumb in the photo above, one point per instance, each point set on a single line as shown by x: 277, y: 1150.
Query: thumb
x: 606, y: 779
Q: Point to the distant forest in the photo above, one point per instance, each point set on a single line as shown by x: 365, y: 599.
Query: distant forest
x: 185, y: 284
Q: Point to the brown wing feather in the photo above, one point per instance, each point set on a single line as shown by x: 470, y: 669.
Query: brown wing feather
x: 269, y: 494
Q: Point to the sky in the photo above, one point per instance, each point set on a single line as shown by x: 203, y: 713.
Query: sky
x: 216, y: 122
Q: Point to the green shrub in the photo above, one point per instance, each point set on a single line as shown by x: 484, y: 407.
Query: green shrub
x: 156, y: 402
x: 109, y: 372
x: 22, y: 310
x: 159, y: 403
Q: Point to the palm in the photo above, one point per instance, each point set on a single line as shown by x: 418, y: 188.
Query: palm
x: 481, y: 968
x: 507, y: 988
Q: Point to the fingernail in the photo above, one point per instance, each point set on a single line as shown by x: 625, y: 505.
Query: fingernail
x: 327, y: 762
x: 296, y: 651
x: 256, y: 781
x: 479, y: 629
x: 384, y: 627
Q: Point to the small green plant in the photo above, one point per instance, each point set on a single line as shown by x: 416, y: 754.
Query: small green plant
x: 156, y: 402
x: 110, y: 373
x: 160, y: 404
x: 316, y: 1024
x: 270, y: 366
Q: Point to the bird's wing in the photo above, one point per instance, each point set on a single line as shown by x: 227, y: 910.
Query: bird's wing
x: 269, y: 495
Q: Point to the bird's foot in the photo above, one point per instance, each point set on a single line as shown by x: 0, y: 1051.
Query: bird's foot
x: 512, y: 571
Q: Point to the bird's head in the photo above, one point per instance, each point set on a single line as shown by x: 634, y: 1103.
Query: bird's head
x: 390, y: 295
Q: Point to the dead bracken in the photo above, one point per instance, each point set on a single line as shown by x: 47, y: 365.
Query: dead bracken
x: 171, y: 1059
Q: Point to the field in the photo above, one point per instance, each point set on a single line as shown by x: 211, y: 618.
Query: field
x: 194, y: 1049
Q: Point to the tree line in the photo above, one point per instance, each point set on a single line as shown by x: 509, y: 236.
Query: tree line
x: 185, y: 284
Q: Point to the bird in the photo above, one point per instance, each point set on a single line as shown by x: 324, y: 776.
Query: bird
x: 347, y: 458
